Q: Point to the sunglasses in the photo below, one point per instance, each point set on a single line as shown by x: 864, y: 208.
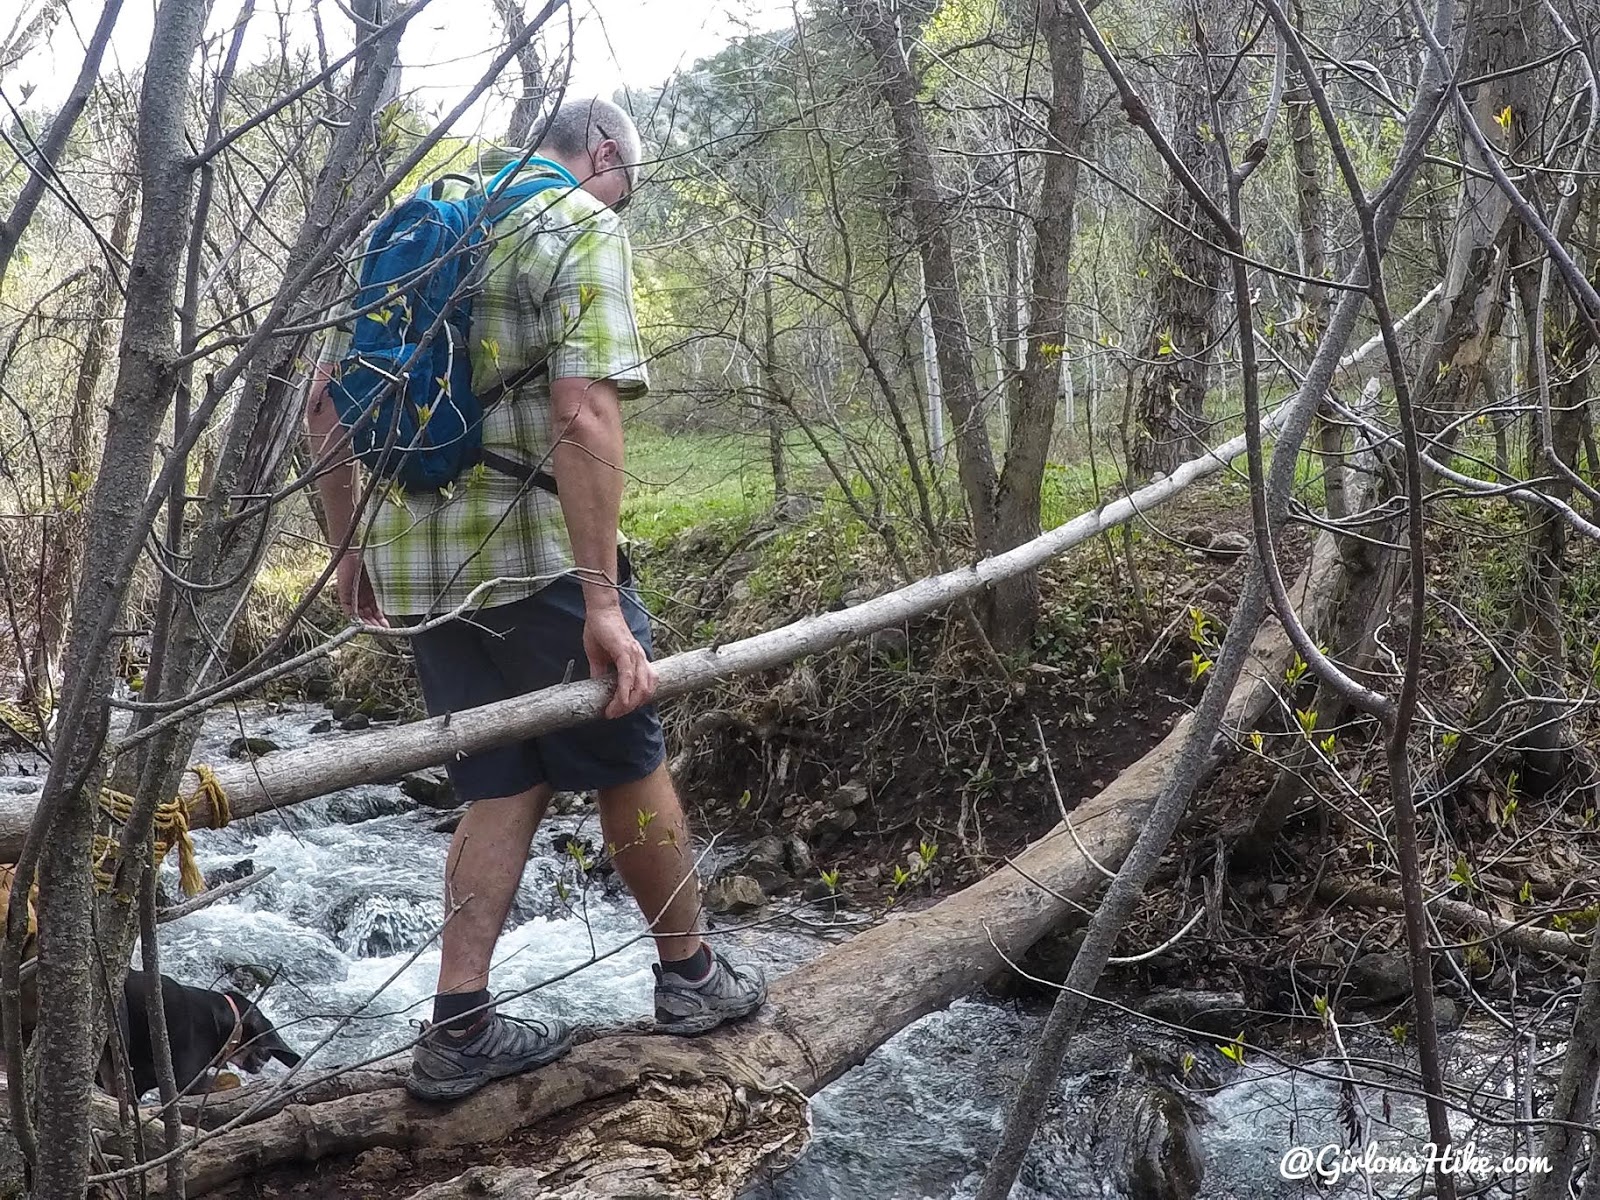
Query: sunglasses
x: 627, y: 172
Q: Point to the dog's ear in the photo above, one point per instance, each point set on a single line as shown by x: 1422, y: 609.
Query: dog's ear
x: 283, y: 1054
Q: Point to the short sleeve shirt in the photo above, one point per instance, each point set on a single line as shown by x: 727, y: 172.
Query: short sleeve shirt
x: 558, y: 289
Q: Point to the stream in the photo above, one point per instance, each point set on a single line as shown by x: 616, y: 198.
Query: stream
x: 344, y: 926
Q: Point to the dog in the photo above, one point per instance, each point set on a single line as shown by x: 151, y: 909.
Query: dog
x: 206, y: 1029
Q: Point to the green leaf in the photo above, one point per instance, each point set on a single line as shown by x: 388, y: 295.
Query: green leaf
x: 1234, y: 1050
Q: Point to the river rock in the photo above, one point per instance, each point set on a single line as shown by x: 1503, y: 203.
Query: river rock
x: 1136, y: 1136
x: 1447, y: 1014
x: 818, y: 892
x: 218, y: 876
x: 344, y: 706
x: 381, y: 1165
x: 733, y: 894
x: 251, y: 747
x: 323, y: 726
x: 1164, y: 1159
x: 765, y: 862
x: 1227, y: 545
x: 356, y: 720
x: 376, y: 921
x: 890, y: 643
x: 848, y: 796
x: 1218, y: 1013
x: 358, y: 804
x: 451, y: 820
x: 431, y: 789
x: 1379, y: 978
x: 567, y: 804
x: 797, y: 856
x: 829, y: 826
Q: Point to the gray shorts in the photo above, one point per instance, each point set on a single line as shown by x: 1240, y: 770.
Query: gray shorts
x: 530, y: 644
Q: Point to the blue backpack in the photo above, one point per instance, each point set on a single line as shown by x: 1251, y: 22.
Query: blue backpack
x: 404, y: 388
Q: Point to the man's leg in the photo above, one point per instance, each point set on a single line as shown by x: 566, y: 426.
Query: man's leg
x: 468, y: 1043
x: 646, y: 832
x: 482, y: 873
x: 653, y: 856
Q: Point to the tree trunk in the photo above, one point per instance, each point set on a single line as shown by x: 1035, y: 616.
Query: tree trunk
x: 531, y: 72
x: 63, y: 526
x: 931, y: 218
x: 1185, y: 273
x: 1471, y: 301
x: 1311, y: 211
x: 1032, y: 416
x: 769, y: 365
x: 64, y: 820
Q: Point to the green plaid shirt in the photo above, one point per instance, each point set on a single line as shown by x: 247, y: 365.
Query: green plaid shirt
x: 557, y: 288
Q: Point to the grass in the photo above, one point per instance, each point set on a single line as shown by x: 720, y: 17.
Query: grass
x: 680, y: 480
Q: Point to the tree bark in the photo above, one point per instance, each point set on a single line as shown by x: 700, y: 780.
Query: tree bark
x: 525, y: 113
x: 64, y: 820
x: 1185, y: 272
x: 1471, y: 303
x: 63, y: 526
x: 1032, y: 415
x: 931, y: 218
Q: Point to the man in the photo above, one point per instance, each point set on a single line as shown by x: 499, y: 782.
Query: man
x: 554, y: 602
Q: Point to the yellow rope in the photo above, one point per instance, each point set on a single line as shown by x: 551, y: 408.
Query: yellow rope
x: 21, y: 723
x: 171, y: 822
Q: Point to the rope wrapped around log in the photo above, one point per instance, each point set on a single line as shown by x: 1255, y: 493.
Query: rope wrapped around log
x: 171, y: 820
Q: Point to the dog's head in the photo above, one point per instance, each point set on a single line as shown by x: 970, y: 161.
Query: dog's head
x: 257, y: 1041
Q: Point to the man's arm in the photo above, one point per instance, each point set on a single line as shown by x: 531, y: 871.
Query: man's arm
x: 337, y: 487
x: 587, y: 461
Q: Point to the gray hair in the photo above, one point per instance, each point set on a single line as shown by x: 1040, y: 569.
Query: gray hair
x: 580, y: 125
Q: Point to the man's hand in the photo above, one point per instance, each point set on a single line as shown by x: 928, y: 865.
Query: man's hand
x: 356, y: 596
x: 609, y: 643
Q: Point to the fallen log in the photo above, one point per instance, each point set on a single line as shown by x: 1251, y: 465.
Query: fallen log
x: 292, y: 776
x: 823, y: 1019
x: 1461, y: 915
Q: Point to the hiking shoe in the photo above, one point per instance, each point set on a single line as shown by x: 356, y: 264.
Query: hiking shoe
x: 446, y: 1066
x: 729, y: 992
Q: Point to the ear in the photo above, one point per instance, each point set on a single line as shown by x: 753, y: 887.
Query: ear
x: 285, y: 1055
